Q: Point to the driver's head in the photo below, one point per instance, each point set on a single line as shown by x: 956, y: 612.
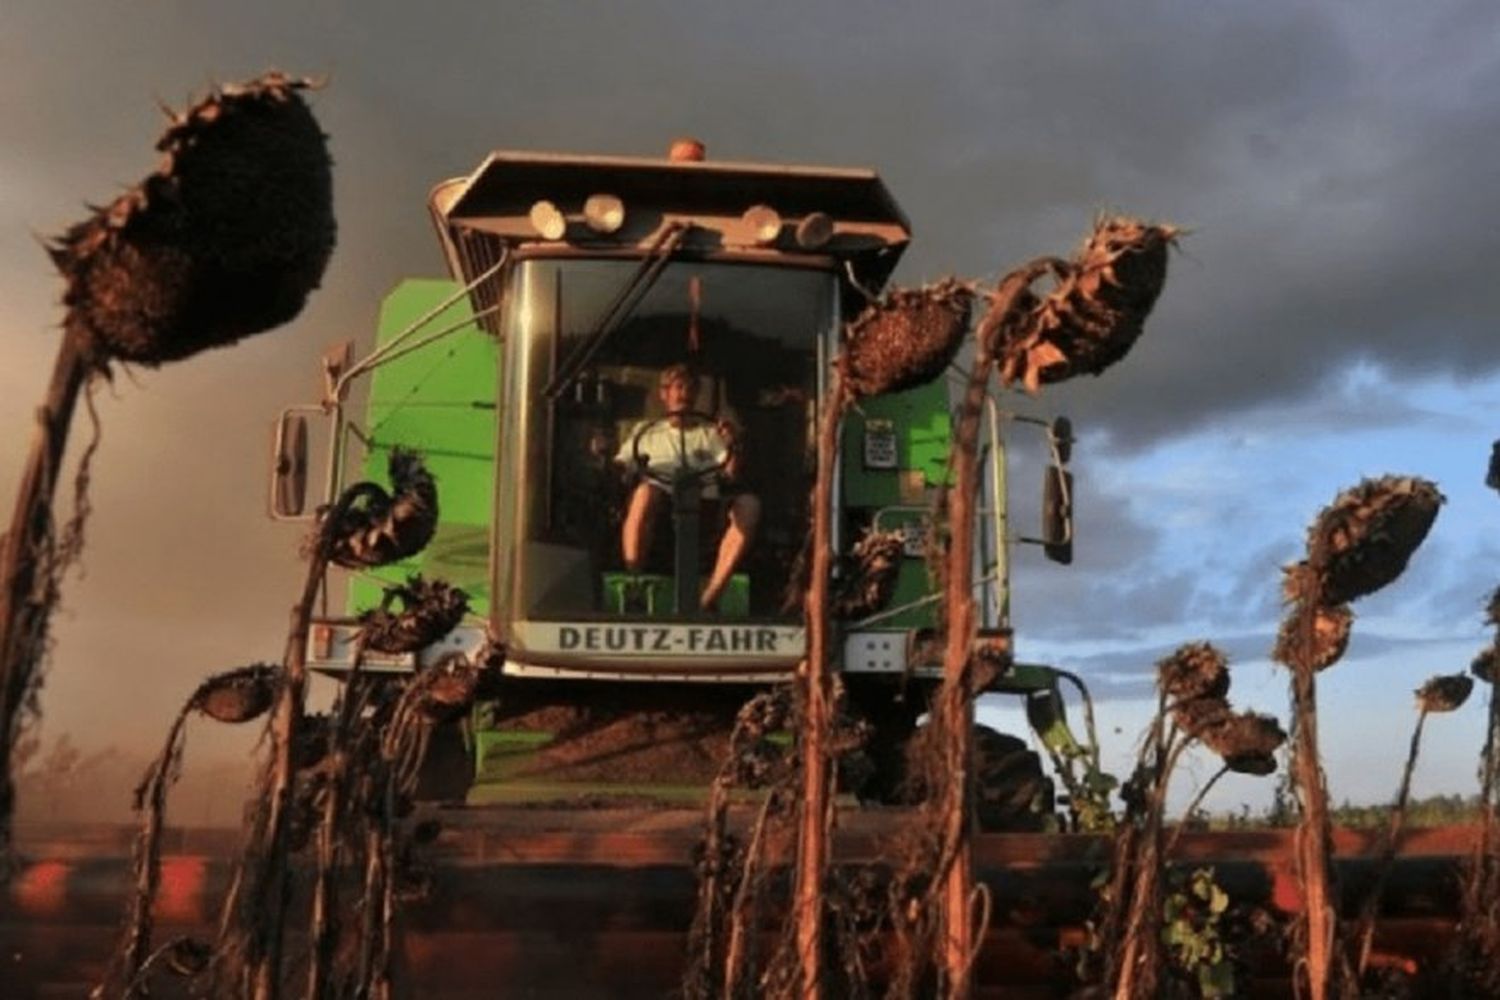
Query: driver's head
x: 675, y: 386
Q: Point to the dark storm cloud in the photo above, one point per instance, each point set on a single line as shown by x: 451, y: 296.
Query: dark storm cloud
x: 1339, y: 190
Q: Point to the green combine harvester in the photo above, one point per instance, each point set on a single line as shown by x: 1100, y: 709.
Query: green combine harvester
x: 585, y: 507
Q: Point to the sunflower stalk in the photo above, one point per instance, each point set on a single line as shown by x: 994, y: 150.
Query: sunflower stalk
x: 706, y: 931
x: 1483, y: 869
x: 816, y: 817
x: 954, y: 721
x: 29, y: 563
x: 743, y: 907
x: 270, y: 892
x: 1314, y: 835
x: 151, y: 802
x: 325, y: 923
x: 1192, y: 807
x: 1140, y: 954
x: 1364, y: 934
x: 1126, y: 847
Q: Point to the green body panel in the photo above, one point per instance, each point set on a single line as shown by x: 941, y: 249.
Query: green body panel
x: 899, y: 497
x: 923, y: 431
x: 439, y: 400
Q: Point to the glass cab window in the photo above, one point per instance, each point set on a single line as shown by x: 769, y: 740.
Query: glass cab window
x: 655, y: 415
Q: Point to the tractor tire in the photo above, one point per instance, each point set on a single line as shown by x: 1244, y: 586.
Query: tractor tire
x: 1012, y: 794
x: 1011, y: 791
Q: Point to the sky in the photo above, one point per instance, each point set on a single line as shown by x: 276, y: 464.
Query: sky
x: 1330, y: 314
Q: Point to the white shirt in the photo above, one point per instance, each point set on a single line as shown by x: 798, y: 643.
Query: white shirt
x: 663, y: 446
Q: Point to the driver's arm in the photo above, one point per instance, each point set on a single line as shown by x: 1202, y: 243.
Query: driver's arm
x: 729, y: 433
x: 625, y: 457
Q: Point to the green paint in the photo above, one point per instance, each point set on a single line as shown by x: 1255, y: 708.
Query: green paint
x: 921, y: 425
x: 923, y: 431
x: 439, y: 400
x: 655, y: 594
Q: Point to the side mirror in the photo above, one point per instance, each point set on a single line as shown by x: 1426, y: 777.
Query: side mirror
x: 289, y: 467
x: 1057, y: 514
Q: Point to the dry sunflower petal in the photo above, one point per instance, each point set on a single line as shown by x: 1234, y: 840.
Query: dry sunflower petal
x: 906, y: 338
x: 1444, y: 693
x: 1331, y: 629
x: 1194, y: 670
x: 1097, y: 310
x: 1492, y: 609
x: 237, y: 695
x: 430, y: 609
x: 1363, y: 540
x: 227, y: 238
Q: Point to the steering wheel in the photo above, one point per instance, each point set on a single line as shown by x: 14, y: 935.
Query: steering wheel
x: 690, y: 419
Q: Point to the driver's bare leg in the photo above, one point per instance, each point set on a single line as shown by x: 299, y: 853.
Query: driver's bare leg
x: 744, y: 516
x: 640, y: 518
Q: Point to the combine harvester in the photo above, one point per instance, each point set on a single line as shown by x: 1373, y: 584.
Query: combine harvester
x: 629, y: 357
x: 533, y: 387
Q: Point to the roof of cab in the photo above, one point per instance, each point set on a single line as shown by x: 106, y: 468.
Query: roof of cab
x: 507, y: 182
x: 493, y: 203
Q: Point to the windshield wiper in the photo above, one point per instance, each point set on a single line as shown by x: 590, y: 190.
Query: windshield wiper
x: 624, y: 303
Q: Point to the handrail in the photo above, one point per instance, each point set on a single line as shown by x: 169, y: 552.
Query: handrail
x: 379, y: 355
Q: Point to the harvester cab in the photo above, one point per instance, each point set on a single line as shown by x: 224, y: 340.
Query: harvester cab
x: 617, y: 393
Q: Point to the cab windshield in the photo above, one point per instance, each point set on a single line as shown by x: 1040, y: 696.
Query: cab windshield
x: 701, y: 399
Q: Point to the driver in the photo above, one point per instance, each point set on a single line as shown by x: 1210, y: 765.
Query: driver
x: 681, y: 441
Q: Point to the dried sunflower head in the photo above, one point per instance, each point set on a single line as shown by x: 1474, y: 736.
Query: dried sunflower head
x: 1492, y: 609
x: 1247, y: 741
x: 1444, y: 693
x: 445, y: 691
x: 1363, y: 540
x: 1098, y: 308
x: 754, y: 757
x: 1194, y: 670
x: 906, y: 338
x: 371, y: 527
x: 870, y: 578
x: 430, y: 609
x: 1330, y: 638
x: 1201, y: 715
x: 238, y: 695
x: 227, y: 238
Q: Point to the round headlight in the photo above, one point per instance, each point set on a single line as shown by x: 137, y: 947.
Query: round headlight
x: 815, y: 231
x: 547, y: 220
x: 604, y: 213
x: 763, y: 222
